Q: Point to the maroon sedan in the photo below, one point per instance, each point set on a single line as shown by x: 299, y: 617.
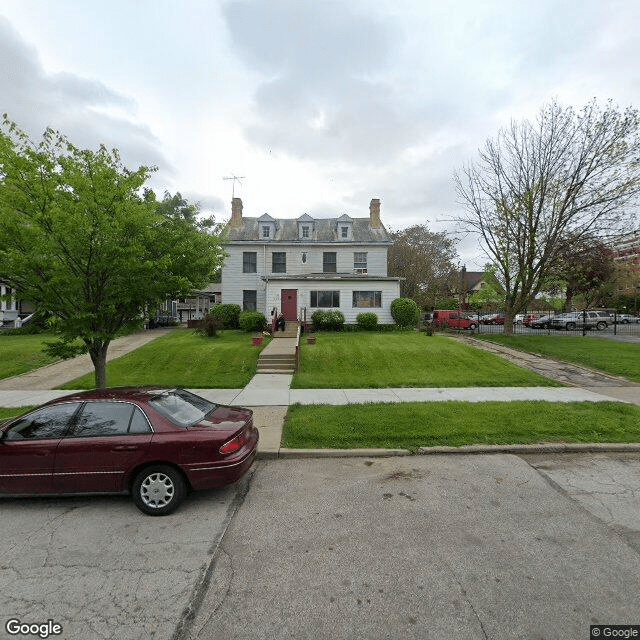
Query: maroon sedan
x: 153, y: 443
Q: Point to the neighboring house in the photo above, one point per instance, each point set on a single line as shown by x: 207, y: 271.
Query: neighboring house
x: 197, y: 305
x: 471, y: 281
x: 300, y: 265
x: 12, y: 310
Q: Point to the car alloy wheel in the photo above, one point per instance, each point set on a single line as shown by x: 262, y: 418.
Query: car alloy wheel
x: 158, y: 491
x: 601, y: 326
x: 472, y: 326
x: 570, y: 326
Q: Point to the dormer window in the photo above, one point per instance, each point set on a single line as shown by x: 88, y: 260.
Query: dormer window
x: 344, y: 228
x: 305, y: 227
x: 267, y: 227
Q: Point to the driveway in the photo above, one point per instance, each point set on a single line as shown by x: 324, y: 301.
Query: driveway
x: 483, y: 546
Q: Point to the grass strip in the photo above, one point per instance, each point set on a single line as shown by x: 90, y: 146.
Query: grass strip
x: 184, y: 358
x: 616, y: 358
x: 414, y: 425
x: 404, y: 359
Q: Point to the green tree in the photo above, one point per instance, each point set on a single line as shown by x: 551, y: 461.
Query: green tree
x: 426, y: 261
x: 540, y: 186
x: 586, y: 267
x: 83, y: 239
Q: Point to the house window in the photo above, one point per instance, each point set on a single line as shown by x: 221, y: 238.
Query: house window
x: 345, y: 232
x: 249, y: 300
x: 265, y: 231
x: 360, y: 260
x: 325, y: 298
x: 278, y: 262
x: 305, y: 232
x: 367, y: 299
x: 329, y: 262
x: 249, y: 262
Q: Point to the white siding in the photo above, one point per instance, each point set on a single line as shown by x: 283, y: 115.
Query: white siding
x: 390, y: 290
x: 234, y: 281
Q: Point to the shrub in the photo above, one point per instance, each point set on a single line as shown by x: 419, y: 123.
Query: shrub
x: 367, y: 320
x: 209, y: 326
x: 319, y: 320
x: 228, y: 313
x: 328, y: 320
x: 252, y: 321
x: 405, y: 312
x: 335, y: 320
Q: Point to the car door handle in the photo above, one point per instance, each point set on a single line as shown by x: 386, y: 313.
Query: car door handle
x: 125, y: 447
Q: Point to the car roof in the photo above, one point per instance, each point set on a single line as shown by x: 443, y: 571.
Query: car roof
x: 135, y: 394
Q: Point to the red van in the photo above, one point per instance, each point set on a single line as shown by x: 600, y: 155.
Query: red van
x: 455, y: 319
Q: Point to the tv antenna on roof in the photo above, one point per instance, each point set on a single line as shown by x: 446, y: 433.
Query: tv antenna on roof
x: 235, y: 179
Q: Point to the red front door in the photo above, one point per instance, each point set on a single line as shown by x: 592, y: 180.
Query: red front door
x: 289, y: 304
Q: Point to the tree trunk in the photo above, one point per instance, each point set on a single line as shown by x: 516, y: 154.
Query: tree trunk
x: 508, y: 324
x: 569, y: 301
x: 98, y: 353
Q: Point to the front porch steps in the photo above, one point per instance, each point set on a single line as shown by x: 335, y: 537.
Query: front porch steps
x: 290, y: 330
x: 277, y: 363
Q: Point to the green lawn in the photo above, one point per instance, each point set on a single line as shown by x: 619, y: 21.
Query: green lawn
x: 184, y: 359
x: 414, y: 425
x: 404, y: 359
x: 19, y: 354
x: 616, y: 358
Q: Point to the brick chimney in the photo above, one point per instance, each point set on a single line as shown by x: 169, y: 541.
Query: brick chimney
x: 374, y: 213
x: 236, y: 213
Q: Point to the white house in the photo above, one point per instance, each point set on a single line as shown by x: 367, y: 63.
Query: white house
x: 300, y: 265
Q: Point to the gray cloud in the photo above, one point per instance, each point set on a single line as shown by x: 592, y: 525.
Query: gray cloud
x: 84, y: 110
x: 324, y: 98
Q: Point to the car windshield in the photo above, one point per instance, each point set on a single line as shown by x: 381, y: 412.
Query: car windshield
x: 181, y: 407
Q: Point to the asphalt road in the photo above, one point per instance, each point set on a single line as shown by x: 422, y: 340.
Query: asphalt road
x: 485, y: 546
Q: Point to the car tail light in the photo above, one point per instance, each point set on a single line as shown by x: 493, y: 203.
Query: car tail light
x: 234, y: 444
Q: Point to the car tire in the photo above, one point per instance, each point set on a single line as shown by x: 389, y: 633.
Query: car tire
x: 625, y: 321
x: 472, y: 326
x: 159, y: 490
x: 570, y: 326
x: 601, y: 326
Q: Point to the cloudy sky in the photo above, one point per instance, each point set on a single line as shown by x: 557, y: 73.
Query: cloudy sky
x: 320, y: 105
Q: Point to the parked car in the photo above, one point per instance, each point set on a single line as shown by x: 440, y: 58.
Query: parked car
x: 496, y: 318
x: 519, y: 318
x: 454, y: 319
x: 530, y: 318
x: 542, y: 322
x: 153, y: 443
x: 625, y: 318
x: 581, y: 320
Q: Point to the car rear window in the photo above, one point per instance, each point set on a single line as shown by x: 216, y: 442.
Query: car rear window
x: 181, y: 407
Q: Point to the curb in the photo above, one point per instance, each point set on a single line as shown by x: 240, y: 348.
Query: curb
x: 470, y: 449
x: 568, y: 447
x: 341, y: 453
